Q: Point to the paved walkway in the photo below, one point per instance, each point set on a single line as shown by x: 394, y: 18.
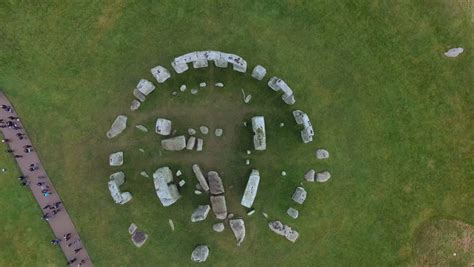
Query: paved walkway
x: 61, y: 223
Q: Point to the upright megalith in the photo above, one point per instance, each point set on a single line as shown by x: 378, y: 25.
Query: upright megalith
x: 160, y: 73
x: 200, y: 177
x: 259, y: 72
x: 115, y: 181
x: 200, y: 254
x: 302, y: 118
x: 116, y: 159
x: 284, y: 230
x: 277, y: 84
x: 166, y: 190
x: 145, y: 87
x: 251, y: 189
x: 299, y: 196
x: 200, y: 214
x: 163, y: 126
x: 119, y: 124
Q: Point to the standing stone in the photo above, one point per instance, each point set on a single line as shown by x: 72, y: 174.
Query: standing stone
x: 238, y: 228
x: 247, y: 162
x: 322, y: 154
x: 218, y: 227
x: 300, y: 195
x: 139, y: 95
x: 194, y: 91
x: 145, y: 87
x: 166, y: 191
x: 454, y: 52
x: 309, y: 176
x: 135, y: 105
x: 282, y: 124
x: 200, y: 177
x: 163, y: 126
x: 200, y: 254
x: 323, y: 177
x: 139, y: 238
x: 191, y: 142
x: 160, y: 73
x: 251, y: 189
x: 119, y: 124
x: 141, y: 128
x: 202, y: 85
x: 259, y: 138
x: 200, y: 144
x: 204, y: 129
x: 220, y: 85
x: 181, y: 183
x: 218, y: 132
x: 200, y: 214
x: 191, y: 131
x: 177, y: 143
x: 230, y: 216
x: 219, y: 207
x: 293, y: 213
x: 283, y: 173
x: 215, y: 183
x: 183, y: 88
x: 259, y: 72
x: 116, y: 159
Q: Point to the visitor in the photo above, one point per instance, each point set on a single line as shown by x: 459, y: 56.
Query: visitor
x: 47, y: 194
x: 40, y: 183
x: 71, y: 261
x: 82, y: 262
x: 45, y: 216
x: 25, y: 183
x: 67, y: 236
x: 18, y: 156
x: 41, y: 177
x: 57, y: 204
x: 47, y: 206
x: 55, y: 241
x: 77, y: 250
x: 9, y: 150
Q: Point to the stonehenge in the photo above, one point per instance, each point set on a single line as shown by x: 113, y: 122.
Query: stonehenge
x: 118, y: 126
x: 259, y: 138
x: 277, y: 84
x: 301, y: 118
x: 200, y: 59
x: 116, y: 180
x: 166, y: 191
x: 251, y: 189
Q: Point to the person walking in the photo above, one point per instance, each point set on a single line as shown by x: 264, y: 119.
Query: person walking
x: 55, y: 241
x: 77, y: 250
x: 67, y: 236
x: 72, y: 261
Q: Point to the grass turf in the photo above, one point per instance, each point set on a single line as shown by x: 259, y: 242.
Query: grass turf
x: 391, y: 109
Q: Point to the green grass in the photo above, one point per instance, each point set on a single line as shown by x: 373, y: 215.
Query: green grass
x: 392, y: 110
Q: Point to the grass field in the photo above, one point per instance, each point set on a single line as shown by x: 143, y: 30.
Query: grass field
x: 395, y: 114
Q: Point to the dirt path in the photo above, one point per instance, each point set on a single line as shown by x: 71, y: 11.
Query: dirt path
x: 61, y: 223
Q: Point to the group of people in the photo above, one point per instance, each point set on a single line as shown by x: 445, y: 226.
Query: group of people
x: 50, y: 210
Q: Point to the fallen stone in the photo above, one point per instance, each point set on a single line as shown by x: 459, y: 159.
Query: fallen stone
x: 282, y: 124
x: 179, y: 173
x: 144, y: 174
x: 293, y: 213
x: 145, y: 87
x: 215, y: 183
x: 183, y: 88
x: 309, y: 176
x: 259, y: 138
x: 247, y: 162
x: 220, y: 85
x: 218, y: 227
x: 200, y: 254
x: 251, y: 189
x: 135, y: 105
x: 230, y: 216
x: 191, y: 131
x: 119, y: 124
x: 322, y: 154
x: 247, y: 99
x: 251, y: 212
x: 191, y: 142
x: 171, y: 223
x: 141, y: 128
x: 283, y: 230
x: 116, y: 159
x: 454, y: 52
x: 259, y: 72
x: 132, y: 228
x: 219, y: 207
x: 197, y: 192
x: 283, y: 173
x: 174, y: 93
x: 141, y: 150
x: 198, y: 186
x: 265, y: 215
x: 139, y: 238
x: 200, y: 177
x: 181, y: 183
x: 177, y: 143
x: 218, y: 132
x: 323, y: 177
x: 194, y: 91
x: 200, y: 144
x: 249, y: 152
x: 299, y: 196
x: 204, y: 129
x: 137, y: 94
x: 238, y: 228
x: 163, y: 126
x: 200, y: 214
x: 202, y: 85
